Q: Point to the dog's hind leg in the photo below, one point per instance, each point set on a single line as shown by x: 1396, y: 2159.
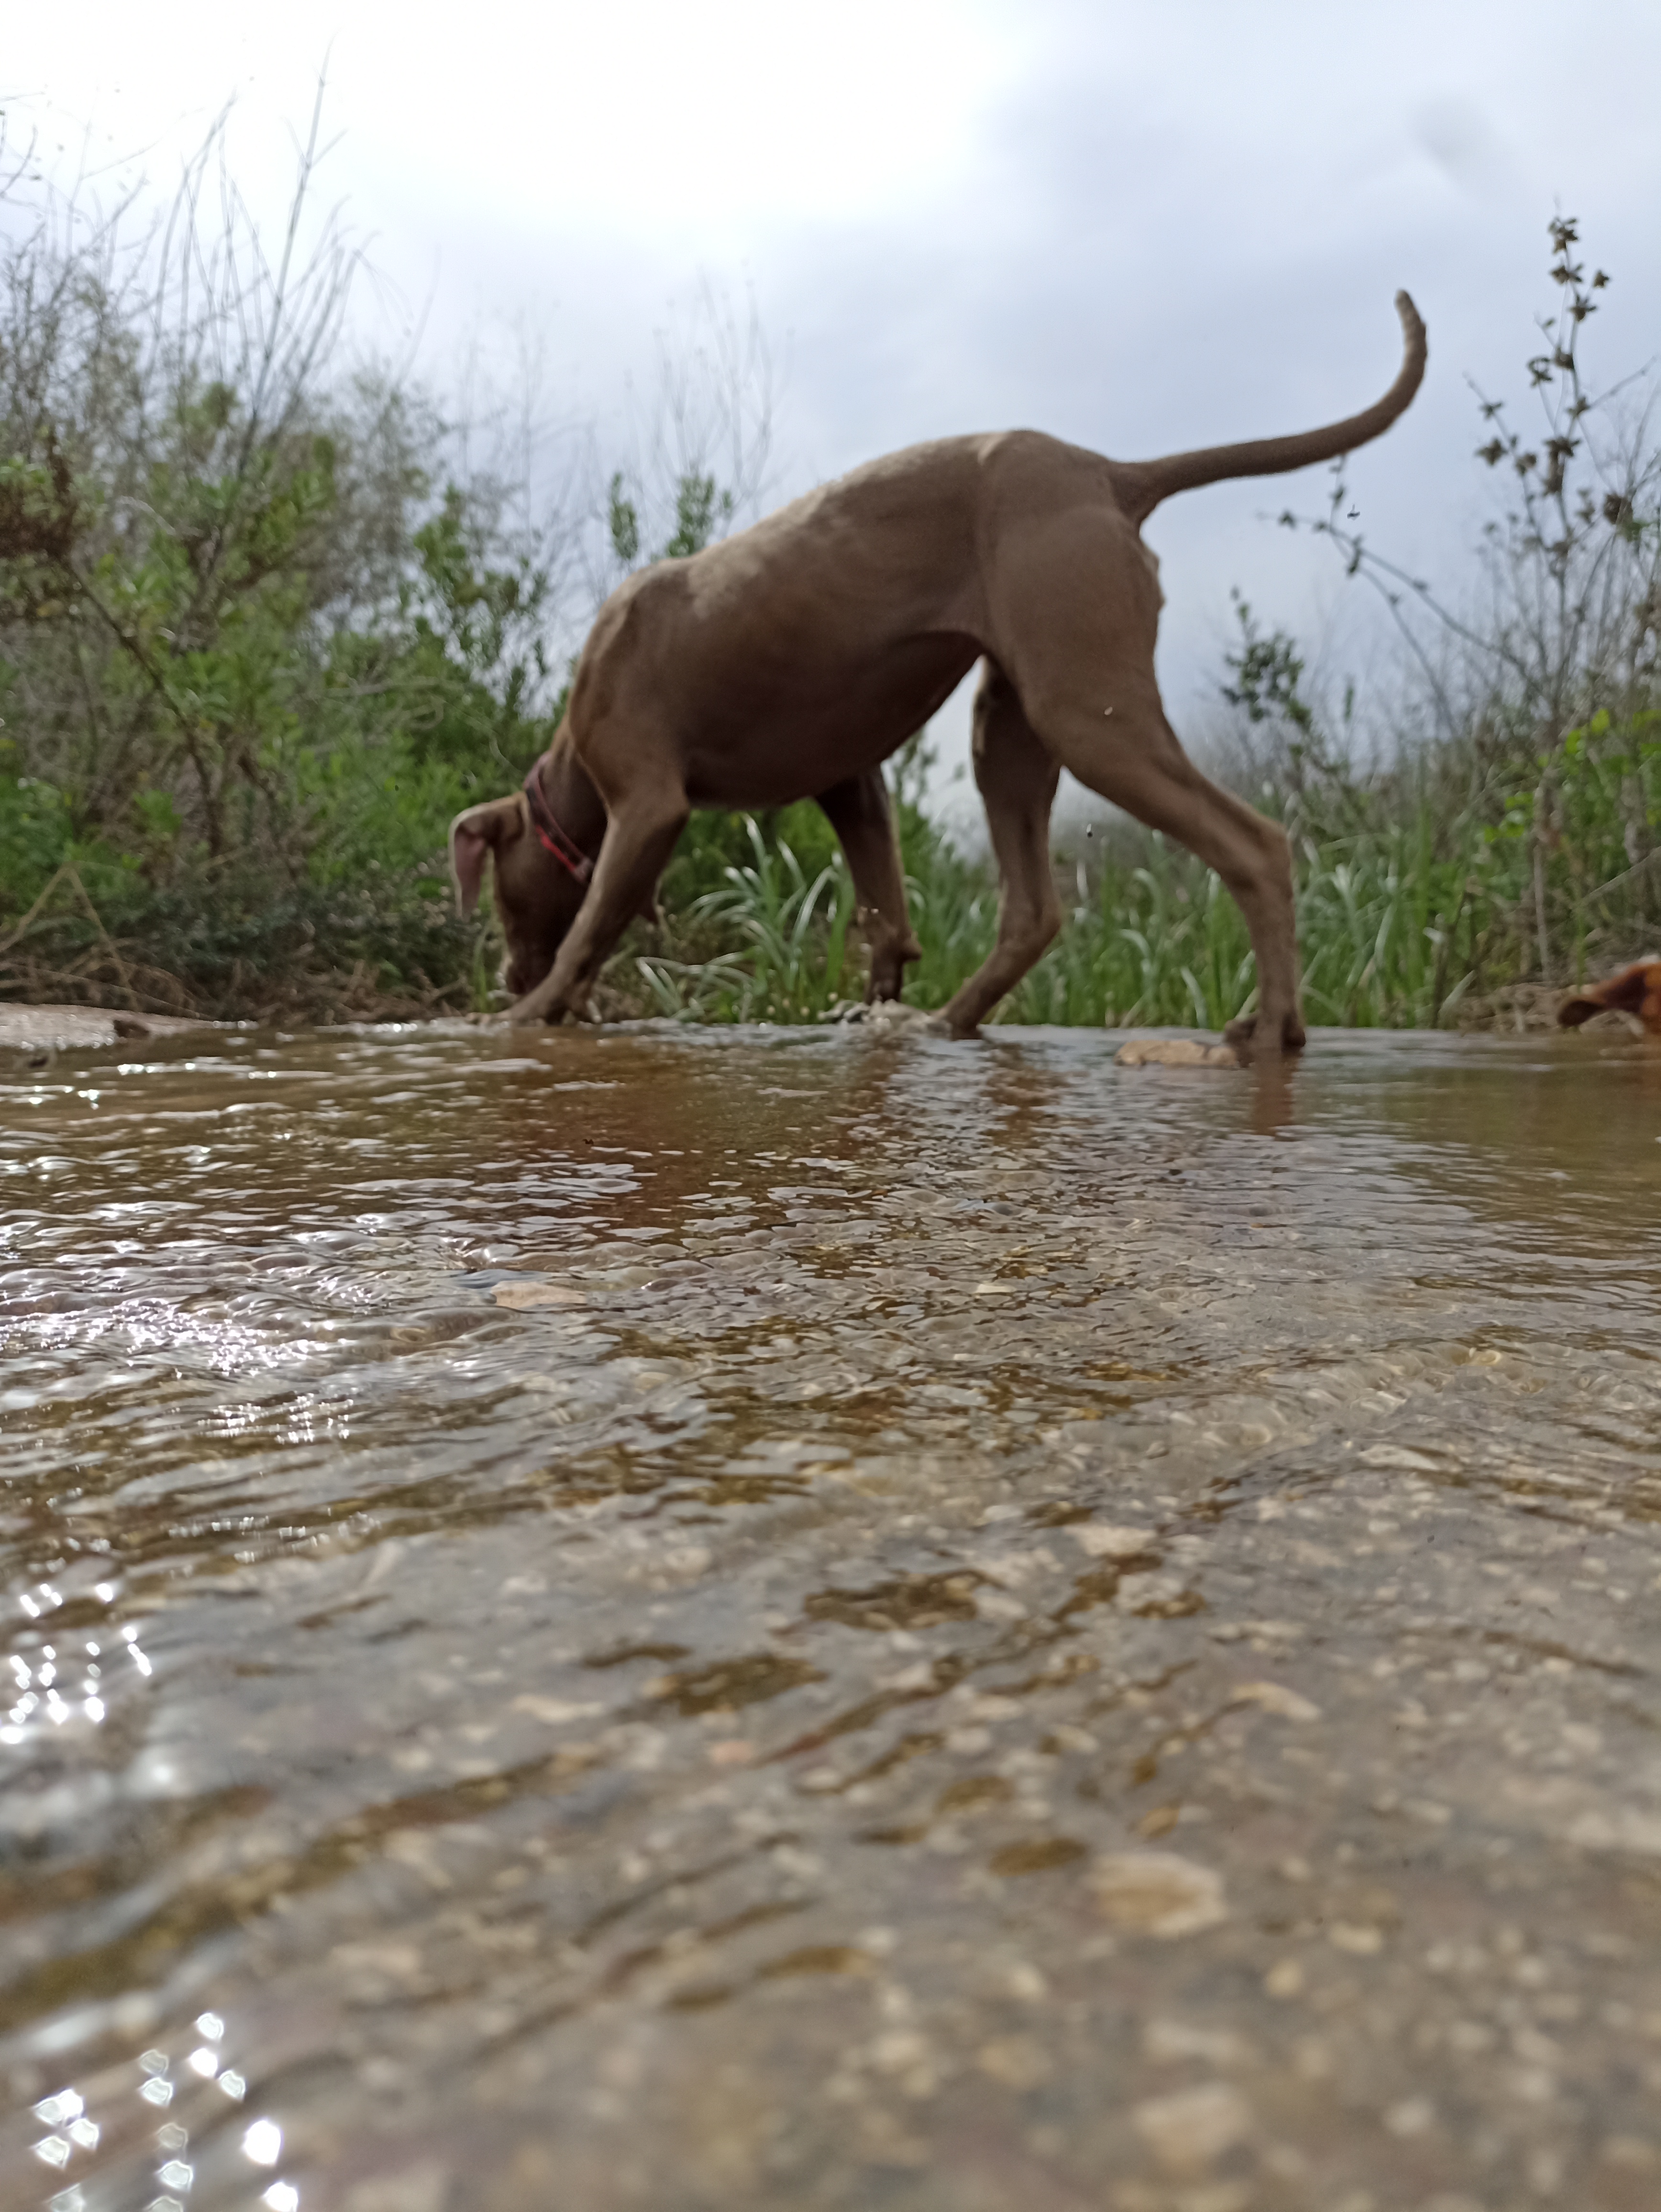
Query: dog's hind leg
x: 1120, y: 745
x: 640, y: 836
x: 1076, y: 601
x: 1016, y: 778
x: 859, y: 813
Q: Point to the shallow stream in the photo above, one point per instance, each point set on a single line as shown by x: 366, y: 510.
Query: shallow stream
x: 666, y: 1620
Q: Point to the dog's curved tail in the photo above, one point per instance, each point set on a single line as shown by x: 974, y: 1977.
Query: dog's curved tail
x: 1143, y: 484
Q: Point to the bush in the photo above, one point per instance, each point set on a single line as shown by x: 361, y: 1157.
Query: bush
x: 264, y: 630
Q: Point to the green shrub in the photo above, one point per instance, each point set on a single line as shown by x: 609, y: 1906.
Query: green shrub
x: 263, y: 632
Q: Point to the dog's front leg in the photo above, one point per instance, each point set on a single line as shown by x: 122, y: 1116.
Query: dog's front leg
x: 640, y: 836
x: 859, y: 811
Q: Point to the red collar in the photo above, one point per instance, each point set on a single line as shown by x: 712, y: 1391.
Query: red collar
x: 564, y: 848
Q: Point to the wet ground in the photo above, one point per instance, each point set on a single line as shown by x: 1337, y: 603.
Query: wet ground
x: 807, y: 1620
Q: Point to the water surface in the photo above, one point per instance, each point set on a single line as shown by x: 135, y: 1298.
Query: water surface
x: 656, y: 1618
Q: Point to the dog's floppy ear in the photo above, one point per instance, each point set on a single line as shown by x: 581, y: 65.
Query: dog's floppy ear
x: 479, y: 830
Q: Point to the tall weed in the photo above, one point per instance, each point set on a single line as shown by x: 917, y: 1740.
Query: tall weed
x: 263, y: 630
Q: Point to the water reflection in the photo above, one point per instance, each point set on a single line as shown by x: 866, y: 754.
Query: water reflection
x: 647, y: 1619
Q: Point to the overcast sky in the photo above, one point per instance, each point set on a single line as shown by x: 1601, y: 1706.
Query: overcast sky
x: 1138, y: 226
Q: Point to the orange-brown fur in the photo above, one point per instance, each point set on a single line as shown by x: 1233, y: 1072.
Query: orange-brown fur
x: 1635, y: 990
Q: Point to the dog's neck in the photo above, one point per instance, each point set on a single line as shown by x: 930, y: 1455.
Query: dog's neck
x: 571, y: 796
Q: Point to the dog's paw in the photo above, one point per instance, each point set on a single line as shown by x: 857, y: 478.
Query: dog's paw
x: 1251, y: 1043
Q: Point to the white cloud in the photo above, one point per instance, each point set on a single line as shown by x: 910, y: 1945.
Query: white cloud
x: 1136, y: 226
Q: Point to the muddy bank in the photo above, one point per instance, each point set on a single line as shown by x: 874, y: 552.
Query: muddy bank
x: 664, y: 1619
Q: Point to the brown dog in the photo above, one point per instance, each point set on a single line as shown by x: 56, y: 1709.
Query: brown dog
x: 1635, y: 990
x: 790, y: 661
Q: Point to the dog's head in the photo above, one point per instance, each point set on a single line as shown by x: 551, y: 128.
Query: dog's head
x: 1635, y: 990
x: 536, y: 896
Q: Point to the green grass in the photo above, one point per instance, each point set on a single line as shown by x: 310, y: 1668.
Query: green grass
x: 792, y: 960
x: 1160, y: 942
x: 1416, y: 890
x: 263, y: 629
x: 1407, y: 905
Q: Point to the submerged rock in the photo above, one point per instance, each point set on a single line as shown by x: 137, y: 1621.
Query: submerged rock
x: 1176, y: 1052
